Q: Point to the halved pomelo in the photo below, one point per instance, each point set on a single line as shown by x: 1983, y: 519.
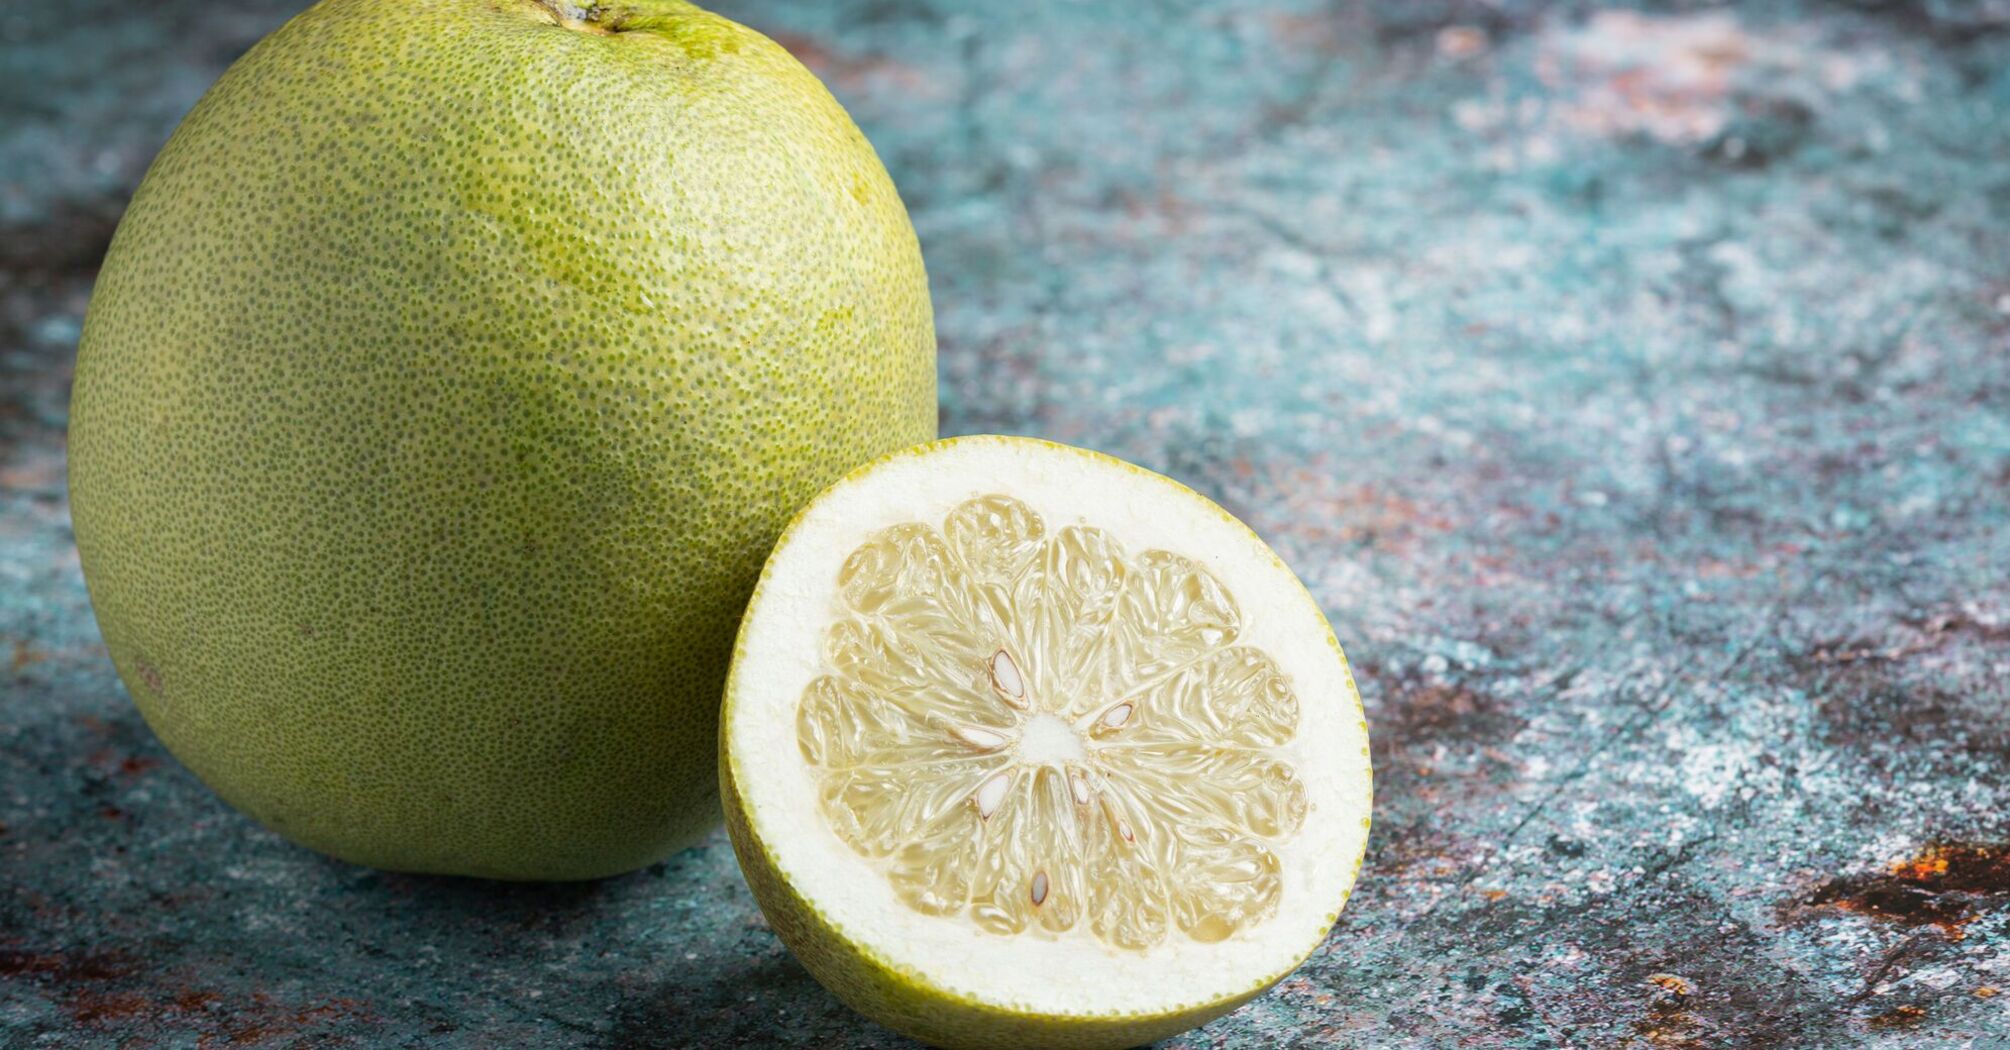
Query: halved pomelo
x: 1027, y: 746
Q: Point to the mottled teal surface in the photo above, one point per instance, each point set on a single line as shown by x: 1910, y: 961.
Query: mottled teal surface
x: 1633, y: 389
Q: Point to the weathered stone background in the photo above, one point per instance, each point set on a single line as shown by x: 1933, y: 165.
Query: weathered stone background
x: 1632, y: 387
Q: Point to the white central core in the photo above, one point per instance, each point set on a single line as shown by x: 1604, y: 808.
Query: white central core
x: 1047, y: 740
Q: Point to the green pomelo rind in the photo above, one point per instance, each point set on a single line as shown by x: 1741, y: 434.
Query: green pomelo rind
x: 448, y: 380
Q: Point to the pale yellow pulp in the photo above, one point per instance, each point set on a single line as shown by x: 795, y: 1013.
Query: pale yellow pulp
x: 1045, y: 733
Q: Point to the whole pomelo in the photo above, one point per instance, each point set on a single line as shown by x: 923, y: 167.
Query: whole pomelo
x: 445, y: 386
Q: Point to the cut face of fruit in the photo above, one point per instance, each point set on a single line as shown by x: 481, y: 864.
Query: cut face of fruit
x: 1019, y: 728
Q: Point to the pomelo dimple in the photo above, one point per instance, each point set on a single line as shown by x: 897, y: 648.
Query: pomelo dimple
x: 445, y: 386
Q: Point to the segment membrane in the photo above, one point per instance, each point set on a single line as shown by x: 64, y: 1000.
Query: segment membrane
x: 947, y: 643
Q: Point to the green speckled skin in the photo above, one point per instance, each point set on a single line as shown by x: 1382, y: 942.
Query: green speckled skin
x: 445, y: 386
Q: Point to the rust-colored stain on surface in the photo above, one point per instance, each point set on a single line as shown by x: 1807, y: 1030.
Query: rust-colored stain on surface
x: 264, y: 1020
x: 1945, y: 885
x: 81, y: 982
x: 850, y: 69
x: 1899, y: 1017
x: 24, y: 655
x: 59, y: 968
x: 90, y: 1009
x: 112, y: 989
x: 1669, y: 1024
x: 1671, y: 984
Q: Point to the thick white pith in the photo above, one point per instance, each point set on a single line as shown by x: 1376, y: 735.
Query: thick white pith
x: 1072, y: 972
